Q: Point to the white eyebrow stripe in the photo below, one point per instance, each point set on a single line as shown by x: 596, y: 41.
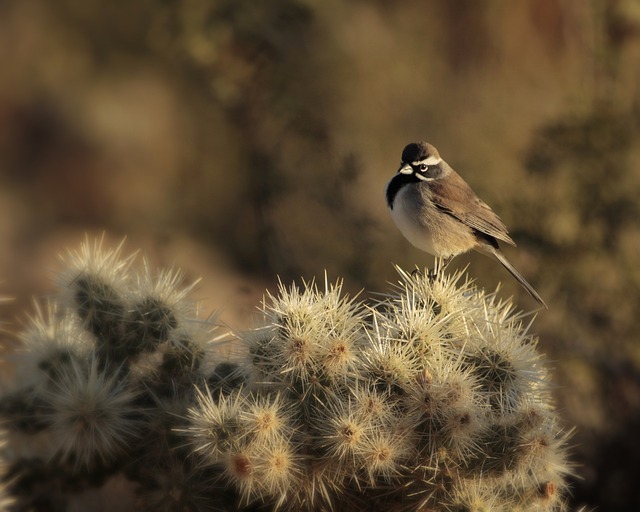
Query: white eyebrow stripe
x: 432, y: 160
x: 421, y: 177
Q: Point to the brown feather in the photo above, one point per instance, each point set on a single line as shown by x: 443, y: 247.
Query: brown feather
x: 462, y: 203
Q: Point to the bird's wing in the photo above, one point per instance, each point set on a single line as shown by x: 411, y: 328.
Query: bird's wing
x: 462, y: 203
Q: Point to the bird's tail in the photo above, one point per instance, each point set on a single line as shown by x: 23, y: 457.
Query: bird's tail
x: 505, y: 263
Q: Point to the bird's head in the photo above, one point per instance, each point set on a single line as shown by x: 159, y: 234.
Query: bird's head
x: 422, y: 160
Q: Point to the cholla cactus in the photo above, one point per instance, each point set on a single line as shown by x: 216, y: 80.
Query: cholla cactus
x: 434, y: 398
x: 106, y: 372
x: 6, y: 500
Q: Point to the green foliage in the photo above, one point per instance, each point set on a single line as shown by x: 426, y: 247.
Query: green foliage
x: 432, y: 398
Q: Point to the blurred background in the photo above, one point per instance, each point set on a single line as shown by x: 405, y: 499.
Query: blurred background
x: 243, y: 140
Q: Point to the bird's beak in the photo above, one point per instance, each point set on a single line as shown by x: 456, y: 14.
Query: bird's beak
x: 406, y: 169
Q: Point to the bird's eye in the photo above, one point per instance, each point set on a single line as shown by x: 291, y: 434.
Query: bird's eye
x: 423, y: 167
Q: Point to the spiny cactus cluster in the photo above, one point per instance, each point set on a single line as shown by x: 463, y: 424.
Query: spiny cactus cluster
x: 103, y: 377
x: 431, y: 398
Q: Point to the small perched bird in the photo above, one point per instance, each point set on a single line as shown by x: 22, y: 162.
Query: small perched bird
x: 436, y: 210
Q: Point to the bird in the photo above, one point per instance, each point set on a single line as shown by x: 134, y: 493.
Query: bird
x: 438, y: 212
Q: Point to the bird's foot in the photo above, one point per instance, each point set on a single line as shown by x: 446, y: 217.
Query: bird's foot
x: 439, y: 267
x: 443, y: 263
x: 432, y: 273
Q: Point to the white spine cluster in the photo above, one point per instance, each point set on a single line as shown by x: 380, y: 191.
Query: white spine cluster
x: 434, y: 398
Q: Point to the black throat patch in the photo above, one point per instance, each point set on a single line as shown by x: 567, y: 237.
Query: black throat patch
x: 396, y: 183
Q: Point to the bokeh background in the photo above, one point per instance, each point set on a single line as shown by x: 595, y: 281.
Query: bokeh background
x: 242, y: 140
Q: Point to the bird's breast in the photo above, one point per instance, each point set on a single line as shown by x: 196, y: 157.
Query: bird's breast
x: 410, y: 213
